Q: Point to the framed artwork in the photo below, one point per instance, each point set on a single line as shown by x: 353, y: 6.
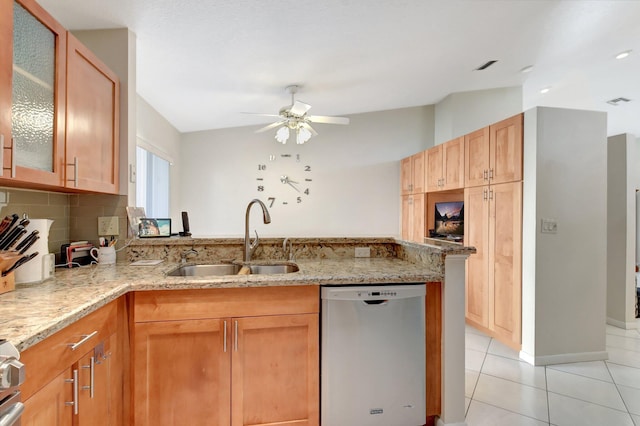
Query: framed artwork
x: 134, y: 214
x: 151, y: 228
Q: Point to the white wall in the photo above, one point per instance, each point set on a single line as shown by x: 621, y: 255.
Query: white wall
x: 564, y: 274
x: 621, y: 230
x: 463, y: 112
x: 117, y: 49
x: 157, y: 135
x: 355, y: 188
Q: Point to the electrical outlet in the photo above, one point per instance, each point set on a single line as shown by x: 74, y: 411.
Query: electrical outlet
x: 108, y: 225
x: 549, y: 226
x: 363, y: 252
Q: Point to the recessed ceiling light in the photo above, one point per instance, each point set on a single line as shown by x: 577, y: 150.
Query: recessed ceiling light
x: 545, y: 90
x: 624, y: 54
x: 526, y: 69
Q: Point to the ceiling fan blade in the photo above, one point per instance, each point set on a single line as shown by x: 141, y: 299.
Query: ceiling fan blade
x: 299, y: 108
x: 309, y: 128
x: 328, y: 120
x: 271, y: 126
x: 260, y: 114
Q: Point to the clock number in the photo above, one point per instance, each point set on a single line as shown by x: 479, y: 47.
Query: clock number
x: 262, y: 167
x: 271, y: 200
x: 306, y: 191
x: 260, y: 188
x: 299, y: 200
x: 307, y: 168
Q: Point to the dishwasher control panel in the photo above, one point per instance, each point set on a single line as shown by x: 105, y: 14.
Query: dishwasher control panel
x: 373, y: 292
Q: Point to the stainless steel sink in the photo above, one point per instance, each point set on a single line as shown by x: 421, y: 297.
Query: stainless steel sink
x: 233, y: 269
x: 205, y: 270
x: 284, y: 268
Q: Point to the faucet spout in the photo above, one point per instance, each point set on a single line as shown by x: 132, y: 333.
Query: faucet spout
x: 250, y: 247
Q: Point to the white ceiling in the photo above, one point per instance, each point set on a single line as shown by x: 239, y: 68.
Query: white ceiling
x: 201, y: 63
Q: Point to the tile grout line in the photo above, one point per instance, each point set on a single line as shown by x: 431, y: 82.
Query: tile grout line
x: 478, y: 379
x: 546, y: 391
x: 619, y: 393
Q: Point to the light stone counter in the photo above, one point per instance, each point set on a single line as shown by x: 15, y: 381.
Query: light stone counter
x: 31, y: 313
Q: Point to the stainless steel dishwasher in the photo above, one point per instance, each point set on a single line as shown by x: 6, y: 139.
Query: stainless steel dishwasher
x: 373, y: 355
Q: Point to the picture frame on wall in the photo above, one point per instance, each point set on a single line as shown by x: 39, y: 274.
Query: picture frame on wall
x: 134, y: 214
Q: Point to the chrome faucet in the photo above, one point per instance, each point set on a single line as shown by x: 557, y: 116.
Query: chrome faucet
x: 187, y: 253
x: 249, y: 246
x: 287, y: 248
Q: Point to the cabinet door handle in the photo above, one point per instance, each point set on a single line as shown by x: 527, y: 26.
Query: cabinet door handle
x: 224, y: 337
x: 491, y: 194
x: 73, y: 403
x: 85, y: 337
x: 75, y: 172
x: 490, y: 173
x: 484, y: 194
x: 235, y: 340
x: 91, y: 367
x: 13, y: 164
x: 1, y: 154
x: 485, y: 174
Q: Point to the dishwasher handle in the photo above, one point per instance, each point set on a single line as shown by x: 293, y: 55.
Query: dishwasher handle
x: 376, y: 302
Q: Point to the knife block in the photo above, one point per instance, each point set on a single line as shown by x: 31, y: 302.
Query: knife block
x: 7, y: 283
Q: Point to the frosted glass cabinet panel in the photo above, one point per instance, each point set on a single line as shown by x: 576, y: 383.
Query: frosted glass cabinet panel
x: 33, y: 109
x: 33, y: 150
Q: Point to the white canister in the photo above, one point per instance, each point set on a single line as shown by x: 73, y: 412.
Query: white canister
x: 37, y: 269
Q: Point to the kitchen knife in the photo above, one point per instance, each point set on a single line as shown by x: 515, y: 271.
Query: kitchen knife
x: 32, y: 240
x: 27, y: 239
x: 8, y: 222
x: 20, y: 262
x: 15, y: 239
x: 10, y: 237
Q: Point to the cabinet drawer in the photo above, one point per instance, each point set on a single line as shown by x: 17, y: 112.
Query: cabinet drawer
x: 47, y: 359
x: 171, y: 305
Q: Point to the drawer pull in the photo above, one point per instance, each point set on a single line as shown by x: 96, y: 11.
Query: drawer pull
x: 235, y: 343
x: 85, y: 337
x: 224, y: 338
x: 91, y: 367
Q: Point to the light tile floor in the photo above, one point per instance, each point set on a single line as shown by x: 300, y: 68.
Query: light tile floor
x: 502, y: 390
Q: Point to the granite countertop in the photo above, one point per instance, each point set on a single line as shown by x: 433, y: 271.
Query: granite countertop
x: 33, y: 312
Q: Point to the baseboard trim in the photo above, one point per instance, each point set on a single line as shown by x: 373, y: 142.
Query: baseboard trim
x: 621, y: 324
x: 439, y: 422
x: 564, y: 358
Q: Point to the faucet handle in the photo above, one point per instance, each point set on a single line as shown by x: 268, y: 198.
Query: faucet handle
x: 253, y: 244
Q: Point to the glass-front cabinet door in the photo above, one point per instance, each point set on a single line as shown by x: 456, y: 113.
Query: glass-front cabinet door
x: 34, y: 151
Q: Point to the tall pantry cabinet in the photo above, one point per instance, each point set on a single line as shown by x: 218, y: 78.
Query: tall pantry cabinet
x: 493, y: 225
x: 412, y: 178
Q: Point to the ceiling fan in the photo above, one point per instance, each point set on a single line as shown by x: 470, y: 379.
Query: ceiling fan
x: 294, y: 117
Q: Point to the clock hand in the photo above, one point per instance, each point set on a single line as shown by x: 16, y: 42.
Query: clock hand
x: 291, y: 183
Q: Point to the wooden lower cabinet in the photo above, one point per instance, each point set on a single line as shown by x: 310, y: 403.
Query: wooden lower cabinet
x: 53, y: 367
x: 244, y: 369
x: 493, y: 225
x: 48, y: 406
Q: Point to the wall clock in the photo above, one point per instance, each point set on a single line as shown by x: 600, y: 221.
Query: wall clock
x: 283, y: 180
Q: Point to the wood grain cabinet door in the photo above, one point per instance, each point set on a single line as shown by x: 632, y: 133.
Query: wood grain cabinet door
x: 505, y: 264
x: 49, y: 406
x: 476, y: 234
x: 417, y: 172
x: 181, y: 373
x: 453, y: 164
x: 476, y: 158
x: 275, y: 371
x: 506, y: 146
x: 433, y: 170
x: 406, y: 177
x: 6, y: 69
x: 92, y: 142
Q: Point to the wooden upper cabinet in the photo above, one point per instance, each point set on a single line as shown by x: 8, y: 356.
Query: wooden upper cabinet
x: 32, y: 95
x: 506, y: 144
x: 433, y: 171
x: 494, y: 154
x: 445, y: 166
x: 476, y: 158
x: 92, y: 125
x: 412, y: 176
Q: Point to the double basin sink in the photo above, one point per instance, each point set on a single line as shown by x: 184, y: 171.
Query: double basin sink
x: 233, y: 269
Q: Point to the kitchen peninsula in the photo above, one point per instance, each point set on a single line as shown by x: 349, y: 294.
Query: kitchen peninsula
x: 32, y: 314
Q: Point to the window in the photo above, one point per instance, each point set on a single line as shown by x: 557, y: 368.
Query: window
x: 152, y: 183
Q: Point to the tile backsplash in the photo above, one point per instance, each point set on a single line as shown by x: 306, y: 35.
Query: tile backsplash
x: 75, y: 216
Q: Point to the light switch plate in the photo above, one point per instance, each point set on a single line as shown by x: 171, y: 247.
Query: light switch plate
x: 108, y: 225
x: 549, y: 226
x: 363, y: 252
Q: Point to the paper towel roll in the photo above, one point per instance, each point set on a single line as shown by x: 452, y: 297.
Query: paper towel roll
x: 33, y: 271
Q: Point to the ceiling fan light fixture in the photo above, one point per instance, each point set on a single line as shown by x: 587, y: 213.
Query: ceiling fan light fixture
x: 282, y: 134
x: 302, y: 135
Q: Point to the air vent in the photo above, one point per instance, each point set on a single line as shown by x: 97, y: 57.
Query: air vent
x: 486, y: 65
x: 616, y: 101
